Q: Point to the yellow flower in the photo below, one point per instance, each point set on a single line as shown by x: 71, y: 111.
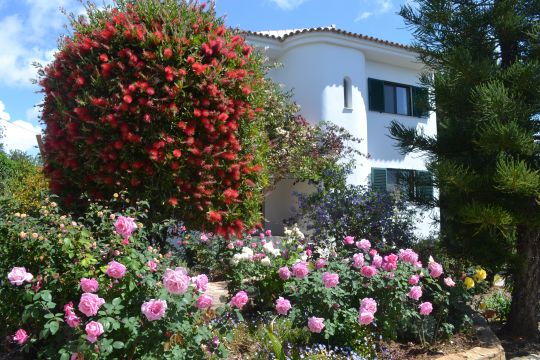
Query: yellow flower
x: 468, y: 282
x: 482, y: 306
x: 115, y: 195
x: 480, y: 275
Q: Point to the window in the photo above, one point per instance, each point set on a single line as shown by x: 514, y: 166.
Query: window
x: 415, y: 184
x: 347, y: 93
x: 399, y: 99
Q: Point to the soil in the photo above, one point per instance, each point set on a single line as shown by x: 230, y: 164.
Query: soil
x: 515, y: 347
x: 412, y: 351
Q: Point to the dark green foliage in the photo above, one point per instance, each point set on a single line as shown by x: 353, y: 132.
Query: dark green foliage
x: 485, y: 84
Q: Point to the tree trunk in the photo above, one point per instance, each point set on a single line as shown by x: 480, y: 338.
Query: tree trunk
x: 522, y: 320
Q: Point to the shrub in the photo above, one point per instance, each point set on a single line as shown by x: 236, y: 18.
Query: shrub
x: 134, y: 303
x: 161, y: 99
x: 349, y: 210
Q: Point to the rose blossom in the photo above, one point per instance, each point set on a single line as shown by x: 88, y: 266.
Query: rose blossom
x: 284, y: 273
x: 363, y: 244
x: 425, y: 308
x: 390, y: 262
x: 408, y: 255
x: 377, y: 261
x: 368, y: 271
x: 268, y: 232
x: 115, y: 270
x: 415, y: 293
x: 230, y: 246
x: 176, y: 281
x: 414, y: 279
x: 365, y: 318
x: 320, y: 263
x: 89, y: 285
x: 18, y: 275
x: 300, y: 270
x: 435, y: 269
x: 204, y: 301
x: 200, y: 282
x: 152, y: 265
x: 368, y: 305
x: 20, y: 337
x: 330, y: 280
x: 358, y: 260
x: 125, y: 226
x: 283, y: 306
x: 90, y: 304
x: 348, y: 240
x: 204, y: 237
x: 72, y: 319
x: 239, y: 300
x: 315, y: 324
x: 93, y: 330
x: 154, y: 309
x: 449, y: 282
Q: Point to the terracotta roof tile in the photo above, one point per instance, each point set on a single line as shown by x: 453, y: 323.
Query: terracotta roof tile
x: 282, y: 35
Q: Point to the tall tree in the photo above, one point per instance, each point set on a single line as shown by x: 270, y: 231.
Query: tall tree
x: 484, y: 61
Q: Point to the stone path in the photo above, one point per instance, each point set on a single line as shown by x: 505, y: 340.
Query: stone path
x: 218, y: 290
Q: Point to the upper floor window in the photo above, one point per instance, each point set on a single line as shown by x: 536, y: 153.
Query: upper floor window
x: 393, y: 98
x: 347, y: 92
x: 415, y: 184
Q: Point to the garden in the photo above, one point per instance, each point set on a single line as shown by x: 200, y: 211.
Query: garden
x: 163, y: 134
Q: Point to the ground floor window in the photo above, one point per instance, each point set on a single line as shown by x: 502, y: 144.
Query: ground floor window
x: 416, y: 184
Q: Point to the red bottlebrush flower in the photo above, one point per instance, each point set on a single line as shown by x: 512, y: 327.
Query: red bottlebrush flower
x: 177, y: 153
x: 103, y: 58
x: 175, y: 165
x: 197, y: 113
x: 246, y: 90
x: 118, y: 144
x: 147, y: 118
x: 150, y: 91
x: 127, y: 99
x: 190, y: 60
x: 246, y: 50
x: 214, y: 216
x: 80, y: 81
x: 223, y: 116
x: 167, y: 53
x: 199, y: 68
x: 230, y: 195
x: 173, y: 201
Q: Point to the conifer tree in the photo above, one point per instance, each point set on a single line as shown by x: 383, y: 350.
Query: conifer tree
x: 484, y: 61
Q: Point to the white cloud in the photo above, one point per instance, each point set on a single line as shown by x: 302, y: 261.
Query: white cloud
x: 381, y: 7
x: 288, y: 4
x: 18, y: 134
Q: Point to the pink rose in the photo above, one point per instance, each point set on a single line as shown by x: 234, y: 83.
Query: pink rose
x: 268, y: 232
x: 377, y: 261
x: 414, y: 279
x: 449, y: 282
x: 284, y: 273
x: 204, y: 301
x: 415, y: 293
x: 418, y: 264
x: 300, y: 270
x: 239, y: 243
x: 204, y: 237
x: 425, y: 308
x: 18, y: 275
x: 89, y: 285
x: 330, y: 280
x: 154, y: 309
x: 152, y: 265
x: 390, y: 262
x: 254, y: 245
x: 435, y: 269
x: 368, y: 305
x: 408, y: 256
x: 373, y: 252
x: 125, y: 226
x: 315, y: 324
x: 363, y: 244
x: 358, y: 261
x: 20, y: 337
x: 348, y: 240
x: 365, y: 318
x: 261, y: 235
x: 115, y: 270
x: 176, y: 281
x: 93, y: 330
x: 200, y: 282
x: 90, y: 304
x: 230, y: 246
x: 283, y: 306
x: 239, y: 300
x: 368, y: 271
x: 320, y: 263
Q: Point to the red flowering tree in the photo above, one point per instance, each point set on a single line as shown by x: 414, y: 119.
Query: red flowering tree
x: 160, y: 99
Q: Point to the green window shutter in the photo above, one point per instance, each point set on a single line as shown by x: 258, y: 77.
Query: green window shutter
x: 378, y: 179
x: 423, y: 185
x: 420, y: 101
x: 376, y: 95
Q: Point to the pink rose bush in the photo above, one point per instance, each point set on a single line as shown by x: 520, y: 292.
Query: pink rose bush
x: 316, y: 324
x: 283, y: 306
x: 204, y: 301
x: 125, y: 226
x: 18, y: 276
x: 93, y: 330
x: 239, y: 300
x: 330, y: 280
x: 20, y: 337
x: 90, y: 303
x: 425, y: 308
x: 435, y: 269
x: 300, y: 270
x: 89, y: 285
x: 200, y: 282
x: 284, y: 273
x: 415, y: 293
x: 366, y: 314
x: 116, y: 270
x: 176, y: 281
x: 154, y: 309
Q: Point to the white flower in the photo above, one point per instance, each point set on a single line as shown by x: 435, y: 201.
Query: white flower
x: 266, y: 261
x: 287, y: 232
x: 247, y: 252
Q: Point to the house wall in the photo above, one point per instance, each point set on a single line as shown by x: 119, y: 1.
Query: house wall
x: 315, y: 70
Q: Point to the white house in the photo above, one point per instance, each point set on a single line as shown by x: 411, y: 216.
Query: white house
x: 360, y: 83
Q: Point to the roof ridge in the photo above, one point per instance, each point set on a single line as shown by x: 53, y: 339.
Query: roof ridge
x: 282, y: 35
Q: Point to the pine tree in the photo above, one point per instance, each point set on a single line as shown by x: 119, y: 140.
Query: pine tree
x: 484, y: 61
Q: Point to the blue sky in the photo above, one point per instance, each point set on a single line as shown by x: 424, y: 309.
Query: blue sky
x: 29, y: 29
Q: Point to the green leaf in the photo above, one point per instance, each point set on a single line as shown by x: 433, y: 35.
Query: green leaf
x: 118, y: 345
x: 46, y: 295
x: 54, y: 326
